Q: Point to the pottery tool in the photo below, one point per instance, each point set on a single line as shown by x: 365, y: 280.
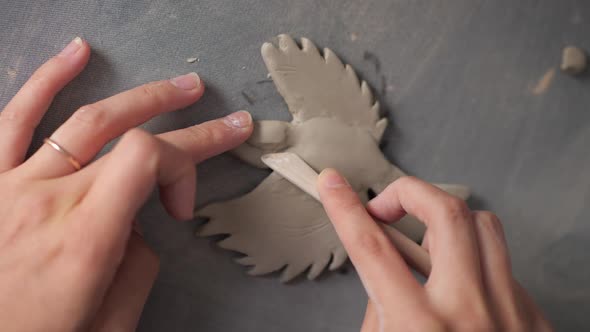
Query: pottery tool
x: 298, y: 172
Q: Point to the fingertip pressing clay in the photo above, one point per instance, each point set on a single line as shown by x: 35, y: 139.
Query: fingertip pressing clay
x: 336, y: 123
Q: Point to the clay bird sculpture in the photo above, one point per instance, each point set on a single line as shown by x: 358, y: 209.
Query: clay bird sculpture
x: 336, y: 123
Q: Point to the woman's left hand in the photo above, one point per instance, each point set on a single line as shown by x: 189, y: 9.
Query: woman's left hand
x: 68, y: 258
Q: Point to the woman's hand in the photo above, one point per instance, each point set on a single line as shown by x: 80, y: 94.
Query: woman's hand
x: 470, y: 288
x: 68, y: 259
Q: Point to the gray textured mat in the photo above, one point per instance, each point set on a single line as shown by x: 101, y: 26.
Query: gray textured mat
x: 456, y: 78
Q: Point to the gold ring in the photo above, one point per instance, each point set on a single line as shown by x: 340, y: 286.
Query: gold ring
x: 73, y: 161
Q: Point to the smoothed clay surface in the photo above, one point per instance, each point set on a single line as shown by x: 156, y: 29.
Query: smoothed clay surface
x: 336, y: 123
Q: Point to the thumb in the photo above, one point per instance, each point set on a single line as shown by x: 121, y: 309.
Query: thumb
x: 382, y: 269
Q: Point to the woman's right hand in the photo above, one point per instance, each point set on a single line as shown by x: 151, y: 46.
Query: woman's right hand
x: 470, y: 288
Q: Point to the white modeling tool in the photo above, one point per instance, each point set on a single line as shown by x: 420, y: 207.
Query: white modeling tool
x: 295, y: 170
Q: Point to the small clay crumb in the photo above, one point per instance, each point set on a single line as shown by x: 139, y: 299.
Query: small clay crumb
x: 544, y: 82
x: 268, y: 76
x: 353, y: 36
x: 249, y: 97
x: 244, y: 67
x: 192, y: 60
x: 11, y: 73
x: 573, y: 60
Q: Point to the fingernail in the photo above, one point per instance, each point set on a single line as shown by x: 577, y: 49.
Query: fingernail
x: 186, y: 82
x: 241, y: 119
x: 72, y: 47
x: 330, y: 178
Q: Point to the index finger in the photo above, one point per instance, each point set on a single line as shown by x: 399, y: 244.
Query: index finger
x: 213, y: 137
x: 452, y: 238
x: 384, y: 274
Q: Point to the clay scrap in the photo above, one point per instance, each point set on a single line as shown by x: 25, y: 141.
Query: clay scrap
x: 336, y: 123
x: 573, y: 60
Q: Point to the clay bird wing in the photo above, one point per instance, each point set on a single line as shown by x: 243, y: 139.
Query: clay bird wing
x: 276, y: 226
x: 313, y: 85
x: 319, y: 86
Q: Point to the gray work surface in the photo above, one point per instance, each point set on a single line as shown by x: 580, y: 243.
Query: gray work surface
x: 456, y: 78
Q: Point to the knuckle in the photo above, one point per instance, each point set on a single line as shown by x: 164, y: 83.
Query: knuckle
x: 205, y: 135
x: 11, y: 116
x: 490, y: 222
x: 141, y: 144
x: 486, y: 216
x: 92, y: 115
x: 41, y: 84
x: 343, y: 197
x: 455, y: 209
x: 371, y: 244
x: 152, y: 91
x: 38, y: 81
x: 345, y: 202
x: 52, y: 64
x: 139, y: 139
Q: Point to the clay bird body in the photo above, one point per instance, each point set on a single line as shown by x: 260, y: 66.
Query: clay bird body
x: 336, y: 123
